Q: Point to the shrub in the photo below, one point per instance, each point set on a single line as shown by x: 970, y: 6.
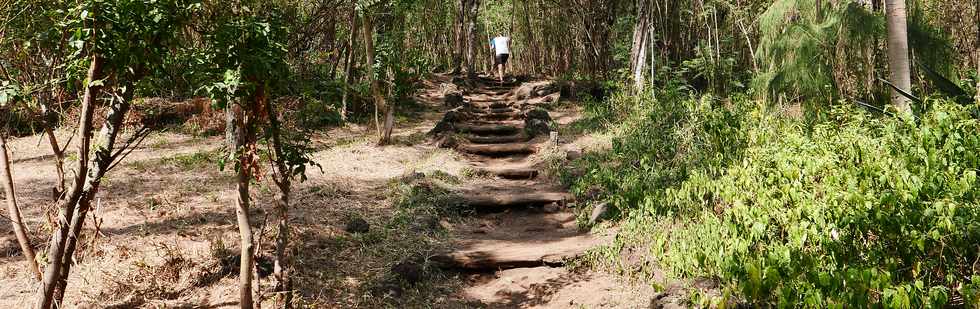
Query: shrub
x: 856, y: 211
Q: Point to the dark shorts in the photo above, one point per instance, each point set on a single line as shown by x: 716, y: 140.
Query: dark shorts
x: 501, y: 59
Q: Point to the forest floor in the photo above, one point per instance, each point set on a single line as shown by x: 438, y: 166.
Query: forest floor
x: 163, y: 232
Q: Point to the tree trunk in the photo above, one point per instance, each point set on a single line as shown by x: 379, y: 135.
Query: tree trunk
x: 460, y: 37
x: 59, y: 161
x: 59, y: 154
x: 242, y: 203
x: 348, y: 63
x: 282, y: 178
x: 533, y: 52
x: 56, y: 246
x: 653, y: 57
x: 474, y: 10
x: 99, y: 166
x: 384, y: 134
x: 639, y: 48
x: 14, y: 211
x: 976, y: 47
x: 898, y: 54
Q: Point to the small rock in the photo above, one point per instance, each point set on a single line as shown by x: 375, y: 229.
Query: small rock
x: 598, y: 213
x: 445, y: 224
x: 448, y: 141
x: 552, y: 208
x: 387, y: 288
x: 426, y: 223
x: 357, y: 225
x: 409, y: 270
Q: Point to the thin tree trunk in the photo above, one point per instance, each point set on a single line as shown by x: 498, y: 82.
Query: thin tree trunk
x: 474, y: 10
x: 99, y: 166
x: 59, y: 161
x: 639, y: 48
x: 348, y: 63
x: 976, y: 47
x: 59, y: 154
x: 56, y: 247
x: 460, y: 37
x: 653, y: 58
x: 282, y: 179
x: 898, y: 54
x: 533, y: 50
x: 379, y: 99
x: 242, y: 204
x: 14, y: 211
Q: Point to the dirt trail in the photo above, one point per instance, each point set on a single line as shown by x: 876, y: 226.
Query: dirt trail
x: 516, y: 246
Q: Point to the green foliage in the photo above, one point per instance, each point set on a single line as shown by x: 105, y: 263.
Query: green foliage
x: 660, y: 145
x: 799, y: 54
x: 244, y: 52
x: 860, y: 211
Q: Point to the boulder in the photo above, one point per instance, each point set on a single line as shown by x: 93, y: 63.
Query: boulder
x: 538, y: 113
x: 536, y: 127
x: 453, y: 99
x: 448, y: 122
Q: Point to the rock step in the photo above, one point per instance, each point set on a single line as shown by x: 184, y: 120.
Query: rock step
x: 476, y: 139
x: 492, y: 254
x: 491, y: 202
x: 510, y: 173
x: 497, y: 149
x: 488, y: 129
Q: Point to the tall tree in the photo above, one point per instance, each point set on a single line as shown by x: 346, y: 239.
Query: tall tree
x: 898, y: 54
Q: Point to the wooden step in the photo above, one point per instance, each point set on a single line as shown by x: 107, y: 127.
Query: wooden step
x: 476, y: 139
x: 497, y: 149
x: 497, y: 116
x: 499, y: 201
x: 478, y: 121
x: 501, y: 110
x: 510, y: 173
x: 489, y: 254
x: 488, y: 129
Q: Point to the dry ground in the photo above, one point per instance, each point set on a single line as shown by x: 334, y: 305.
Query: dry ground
x: 164, y: 229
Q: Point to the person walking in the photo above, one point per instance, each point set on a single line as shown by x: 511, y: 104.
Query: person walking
x: 501, y: 49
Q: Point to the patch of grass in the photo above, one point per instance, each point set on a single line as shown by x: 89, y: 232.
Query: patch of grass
x: 182, y: 162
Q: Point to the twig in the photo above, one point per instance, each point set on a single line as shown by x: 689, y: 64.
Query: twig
x: 134, y: 141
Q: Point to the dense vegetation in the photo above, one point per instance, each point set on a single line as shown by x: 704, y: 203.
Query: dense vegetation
x: 796, y: 184
x: 771, y: 145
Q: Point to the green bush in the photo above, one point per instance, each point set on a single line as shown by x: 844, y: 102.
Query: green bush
x: 856, y: 211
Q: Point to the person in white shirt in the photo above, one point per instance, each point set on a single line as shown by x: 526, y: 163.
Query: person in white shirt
x: 501, y: 49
